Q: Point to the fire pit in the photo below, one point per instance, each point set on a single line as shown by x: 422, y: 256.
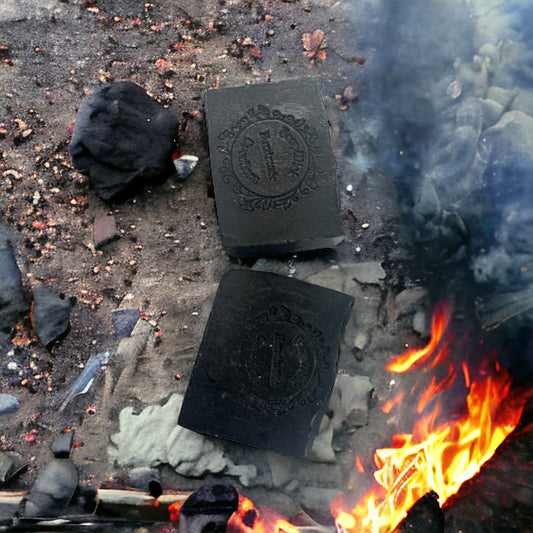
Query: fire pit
x: 429, y: 111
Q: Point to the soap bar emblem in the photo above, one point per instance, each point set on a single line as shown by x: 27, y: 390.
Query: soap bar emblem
x: 269, y: 159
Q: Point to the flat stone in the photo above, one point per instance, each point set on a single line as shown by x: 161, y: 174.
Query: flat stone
x: 503, y: 96
x: 8, y: 404
x: 50, y: 315
x: 331, y: 278
x: 408, y: 300
x: 273, y: 168
x: 53, y: 489
x: 370, y: 272
x: 104, y: 230
x: 123, y: 139
x: 267, y: 362
x: 62, y: 444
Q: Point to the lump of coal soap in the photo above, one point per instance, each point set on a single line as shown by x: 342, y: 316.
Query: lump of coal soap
x: 267, y: 362
x: 208, y: 509
x: 273, y: 168
x: 50, y: 315
x: 123, y: 139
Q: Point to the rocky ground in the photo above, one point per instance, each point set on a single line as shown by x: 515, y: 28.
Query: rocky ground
x: 166, y: 259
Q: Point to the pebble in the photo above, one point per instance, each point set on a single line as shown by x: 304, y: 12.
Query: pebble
x: 8, y: 404
x: 369, y: 272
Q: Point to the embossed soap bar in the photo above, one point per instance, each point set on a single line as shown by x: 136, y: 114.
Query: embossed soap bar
x: 273, y: 168
x: 267, y: 362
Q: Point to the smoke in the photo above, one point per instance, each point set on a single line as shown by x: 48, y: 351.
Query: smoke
x: 451, y: 86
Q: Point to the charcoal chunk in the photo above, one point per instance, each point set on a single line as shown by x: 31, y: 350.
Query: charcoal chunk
x: 267, y: 362
x: 12, y: 298
x: 425, y: 516
x: 208, y: 509
x: 62, y: 444
x: 50, y: 315
x: 123, y: 139
x: 273, y: 168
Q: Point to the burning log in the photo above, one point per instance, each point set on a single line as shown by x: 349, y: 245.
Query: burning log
x: 425, y: 516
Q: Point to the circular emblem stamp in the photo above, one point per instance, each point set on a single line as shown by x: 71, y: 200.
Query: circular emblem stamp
x: 268, y: 157
x: 285, y: 356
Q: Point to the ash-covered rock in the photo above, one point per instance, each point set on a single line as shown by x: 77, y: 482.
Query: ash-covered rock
x: 123, y: 139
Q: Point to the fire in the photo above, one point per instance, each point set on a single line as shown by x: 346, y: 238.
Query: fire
x: 435, y: 456
x: 251, y: 518
x: 405, y: 361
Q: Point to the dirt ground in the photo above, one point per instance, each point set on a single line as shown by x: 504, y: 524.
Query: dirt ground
x: 168, y: 259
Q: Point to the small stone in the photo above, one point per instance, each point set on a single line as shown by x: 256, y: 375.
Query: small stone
x: 350, y: 401
x: 408, y: 300
x: 370, y: 272
x: 62, y: 444
x: 145, y: 479
x: 124, y: 321
x: 8, y: 404
x: 454, y: 90
x: 104, y: 230
x: 184, y: 165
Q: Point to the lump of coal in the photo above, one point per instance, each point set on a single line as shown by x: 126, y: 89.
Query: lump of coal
x: 53, y: 489
x: 62, y: 444
x: 50, y: 315
x: 425, y: 516
x: 11, y: 464
x: 267, y: 362
x: 123, y: 139
x: 12, y: 301
x: 208, y: 509
x: 273, y: 168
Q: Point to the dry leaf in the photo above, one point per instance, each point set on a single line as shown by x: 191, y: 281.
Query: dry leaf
x: 314, y: 44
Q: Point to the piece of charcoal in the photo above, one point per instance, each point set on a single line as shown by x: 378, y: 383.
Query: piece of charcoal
x: 11, y: 464
x: 273, y: 169
x: 12, y: 299
x: 208, y: 509
x: 123, y: 139
x: 267, y: 362
x: 425, y: 516
x: 62, y: 444
x: 53, y: 489
x: 50, y: 315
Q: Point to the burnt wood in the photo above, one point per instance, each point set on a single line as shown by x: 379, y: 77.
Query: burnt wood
x: 273, y: 168
x: 267, y: 362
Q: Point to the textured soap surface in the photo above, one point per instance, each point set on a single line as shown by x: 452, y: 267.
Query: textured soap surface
x: 267, y: 362
x: 273, y: 168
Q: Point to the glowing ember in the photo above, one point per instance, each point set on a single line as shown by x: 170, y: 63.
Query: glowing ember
x: 439, y: 457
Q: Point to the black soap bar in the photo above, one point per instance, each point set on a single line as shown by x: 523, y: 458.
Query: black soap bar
x: 273, y: 168
x: 267, y: 362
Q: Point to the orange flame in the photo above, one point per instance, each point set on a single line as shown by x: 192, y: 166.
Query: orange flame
x: 393, y: 402
x: 438, y: 457
x: 403, y: 362
x: 251, y: 518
